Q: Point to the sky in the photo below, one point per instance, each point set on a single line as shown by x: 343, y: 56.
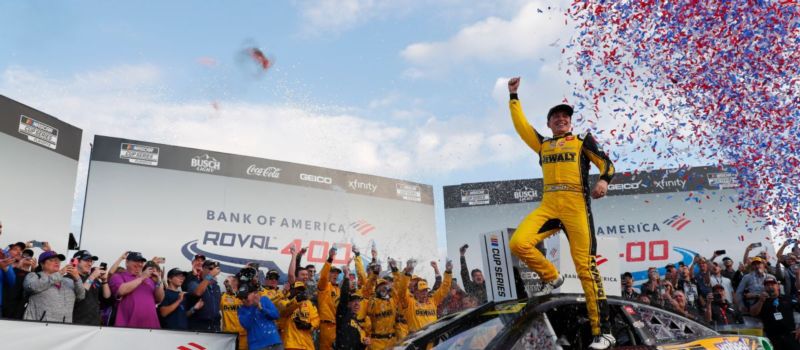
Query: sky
x: 411, y: 89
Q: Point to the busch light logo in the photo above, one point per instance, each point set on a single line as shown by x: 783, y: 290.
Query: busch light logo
x: 206, y: 164
x: 268, y: 172
x: 525, y: 194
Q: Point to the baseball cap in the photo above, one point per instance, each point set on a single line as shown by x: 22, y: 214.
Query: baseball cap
x: 422, y: 285
x: 356, y: 296
x: 381, y: 281
x: 726, y: 259
x: 770, y: 279
x: 176, y: 271
x: 135, y: 256
x: 299, y: 284
x: 669, y: 266
x: 210, y: 264
x: 21, y: 245
x: 273, y: 275
x: 84, y: 255
x: 718, y: 286
x: 627, y: 274
x: 756, y: 259
x: 199, y: 256
x: 49, y: 255
x: 560, y: 108
x: 335, y: 269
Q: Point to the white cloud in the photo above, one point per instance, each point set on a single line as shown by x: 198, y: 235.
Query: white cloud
x: 527, y: 36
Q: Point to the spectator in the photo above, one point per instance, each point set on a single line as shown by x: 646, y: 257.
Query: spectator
x: 453, y: 302
x: 628, y: 292
x: 137, y: 294
x: 475, y: 286
x: 717, y: 279
x: 7, y: 275
x: 15, y: 298
x: 719, y: 311
x: 653, y: 288
x: 53, y: 291
x: 257, y: 316
x: 742, y: 270
x: 172, y: 312
x: 678, y: 304
x: 728, y: 271
x: 671, y: 274
x: 688, y: 286
x: 196, y: 274
x: 776, y: 313
x: 207, y: 318
x: 94, y: 281
x: 752, y: 284
x: 789, y: 278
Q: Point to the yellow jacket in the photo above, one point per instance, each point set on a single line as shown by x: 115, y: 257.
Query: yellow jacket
x: 327, y: 295
x: 229, y: 304
x: 420, y: 314
x: 296, y: 337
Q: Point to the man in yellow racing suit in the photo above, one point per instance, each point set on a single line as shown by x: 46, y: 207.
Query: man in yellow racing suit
x: 565, y: 206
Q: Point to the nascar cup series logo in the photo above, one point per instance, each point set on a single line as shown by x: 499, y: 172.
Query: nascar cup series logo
x: 206, y: 164
x: 498, y: 268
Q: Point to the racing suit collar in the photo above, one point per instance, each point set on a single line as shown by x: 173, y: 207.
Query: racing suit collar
x: 569, y: 133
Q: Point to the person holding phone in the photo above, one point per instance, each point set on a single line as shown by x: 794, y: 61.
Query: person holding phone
x: 137, y: 294
x: 776, y: 313
x: 53, y: 291
x: 752, y: 284
x: 207, y: 318
x: 87, y: 311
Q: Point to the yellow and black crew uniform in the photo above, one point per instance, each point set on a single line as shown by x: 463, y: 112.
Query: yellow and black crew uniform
x: 565, y: 206
x: 350, y: 335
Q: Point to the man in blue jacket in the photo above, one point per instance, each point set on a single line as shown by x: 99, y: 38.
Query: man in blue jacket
x: 257, y: 315
x: 7, y: 275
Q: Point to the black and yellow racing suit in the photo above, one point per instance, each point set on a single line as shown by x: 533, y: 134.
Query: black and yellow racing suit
x: 565, y: 206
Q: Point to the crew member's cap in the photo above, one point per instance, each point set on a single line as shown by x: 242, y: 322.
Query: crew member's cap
x: 199, y: 256
x: 210, y: 264
x: 299, y: 284
x: 135, y: 256
x: 175, y: 272
x: 770, y: 279
x: 84, y: 255
x: 380, y: 282
x: 756, y: 259
x: 560, y: 108
x: 49, y: 255
x: 273, y: 275
x: 336, y: 269
x: 422, y: 285
x: 356, y: 296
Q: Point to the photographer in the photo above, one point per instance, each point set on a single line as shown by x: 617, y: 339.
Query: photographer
x: 628, y: 292
x: 777, y: 315
x: 476, y: 285
x: 87, y: 311
x: 53, y: 291
x: 207, y: 318
x: 138, y: 291
x: 257, y: 315
x: 718, y: 311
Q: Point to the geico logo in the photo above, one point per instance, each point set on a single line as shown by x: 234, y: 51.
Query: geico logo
x: 317, y: 179
x: 627, y: 186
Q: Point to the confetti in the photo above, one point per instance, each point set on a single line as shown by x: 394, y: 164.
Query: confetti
x: 715, y: 81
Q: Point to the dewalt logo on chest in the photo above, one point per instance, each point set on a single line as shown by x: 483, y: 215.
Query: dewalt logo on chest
x: 558, y: 157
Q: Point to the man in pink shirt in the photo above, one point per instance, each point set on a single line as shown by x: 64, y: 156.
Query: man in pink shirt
x: 137, y: 291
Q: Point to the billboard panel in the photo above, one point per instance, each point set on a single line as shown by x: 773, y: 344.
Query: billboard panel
x: 660, y: 217
x: 39, y: 162
x: 175, y: 202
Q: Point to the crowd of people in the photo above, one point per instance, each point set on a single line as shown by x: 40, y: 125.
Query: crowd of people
x: 723, y: 293
x: 341, y: 307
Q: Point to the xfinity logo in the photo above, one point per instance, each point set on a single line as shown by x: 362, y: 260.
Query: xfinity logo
x: 624, y: 186
x: 205, y: 163
x: 366, y: 186
x: 317, y: 179
x: 663, y: 184
x: 268, y: 172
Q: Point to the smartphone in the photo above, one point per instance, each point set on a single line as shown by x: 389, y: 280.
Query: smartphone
x: 756, y: 245
x: 36, y: 244
x: 720, y: 252
x: 74, y: 262
x: 103, y: 266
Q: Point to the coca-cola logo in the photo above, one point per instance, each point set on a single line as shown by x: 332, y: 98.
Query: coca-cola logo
x: 268, y: 172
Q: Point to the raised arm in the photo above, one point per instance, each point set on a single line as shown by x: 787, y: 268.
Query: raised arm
x: 360, y: 272
x: 440, y: 294
x: 528, y: 134
x: 324, y: 282
x: 465, y: 278
x: 293, y: 263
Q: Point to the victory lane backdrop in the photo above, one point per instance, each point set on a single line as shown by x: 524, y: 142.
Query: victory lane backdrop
x: 176, y: 202
x: 659, y: 216
x: 38, y: 169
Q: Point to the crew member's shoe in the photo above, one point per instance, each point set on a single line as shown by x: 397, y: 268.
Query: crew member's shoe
x: 603, y: 341
x: 548, y: 287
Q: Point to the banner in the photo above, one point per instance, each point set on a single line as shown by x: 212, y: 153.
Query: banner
x: 176, y: 202
x: 39, y: 166
x: 660, y: 217
x: 42, y: 335
x: 498, y: 266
